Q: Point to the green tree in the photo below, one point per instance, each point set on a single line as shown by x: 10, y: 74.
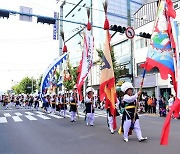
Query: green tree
x: 69, y: 84
x: 25, y: 86
x: 16, y: 89
x: 116, y: 67
x: 39, y: 82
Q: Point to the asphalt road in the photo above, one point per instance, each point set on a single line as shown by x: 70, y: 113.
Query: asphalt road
x: 51, y: 135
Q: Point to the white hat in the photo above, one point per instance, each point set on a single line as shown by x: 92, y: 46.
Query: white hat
x: 89, y: 89
x: 125, y: 86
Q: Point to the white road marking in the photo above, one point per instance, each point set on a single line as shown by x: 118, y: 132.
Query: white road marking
x: 68, y: 116
x: 101, y: 115
x: 39, y: 112
x: 30, y: 117
x: 7, y: 115
x: 3, y: 120
x: 43, y: 117
x: 17, y: 119
x: 82, y: 116
x: 18, y: 114
x: 29, y: 113
x: 55, y: 116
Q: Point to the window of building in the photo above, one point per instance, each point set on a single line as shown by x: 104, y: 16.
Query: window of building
x: 141, y: 43
x: 125, y: 70
x: 140, y: 70
x: 25, y: 10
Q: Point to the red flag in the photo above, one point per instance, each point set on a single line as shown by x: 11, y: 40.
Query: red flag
x: 170, y: 12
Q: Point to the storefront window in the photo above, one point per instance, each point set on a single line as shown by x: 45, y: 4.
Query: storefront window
x: 140, y: 70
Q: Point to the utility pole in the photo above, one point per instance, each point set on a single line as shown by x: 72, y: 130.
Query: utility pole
x: 61, y: 27
x: 132, y: 43
x: 60, y: 38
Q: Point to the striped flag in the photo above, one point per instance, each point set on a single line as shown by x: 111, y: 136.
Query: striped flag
x: 86, y: 62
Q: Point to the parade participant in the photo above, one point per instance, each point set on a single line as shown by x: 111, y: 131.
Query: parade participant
x: 22, y: 100
x: 53, y: 103
x: 128, y: 121
x: 5, y: 102
x: 73, y: 106
x: 58, y: 107
x: 12, y: 99
x: 17, y: 105
x: 170, y: 102
x: 110, y: 116
x: 31, y: 99
x: 59, y: 102
x: 36, y: 100
x: 90, y: 105
x: 26, y: 101
x: 48, y: 104
x: 63, y: 105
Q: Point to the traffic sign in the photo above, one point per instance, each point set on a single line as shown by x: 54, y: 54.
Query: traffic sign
x: 130, y: 33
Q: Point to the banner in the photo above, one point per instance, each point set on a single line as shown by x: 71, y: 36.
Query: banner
x: 86, y: 62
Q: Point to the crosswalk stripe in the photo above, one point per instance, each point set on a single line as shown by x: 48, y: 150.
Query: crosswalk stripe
x: 30, y: 117
x: 3, y: 120
x: 29, y: 113
x: 7, y: 115
x: 39, y: 112
x: 17, y: 119
x: 18, y: 114
x: 43, y: 117
x: 68, y: 116
x: 82, y: 116
x: 55, y: 116
x: 101, y: 115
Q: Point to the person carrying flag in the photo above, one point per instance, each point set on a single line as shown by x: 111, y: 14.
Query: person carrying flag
x: 90, y: 105
x: 73, y: 106
x: 128, y: 121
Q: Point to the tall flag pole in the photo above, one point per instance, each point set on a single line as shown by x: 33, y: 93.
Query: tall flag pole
x: 107, y: 80
x: 87, y: 57
x: 161, y: 52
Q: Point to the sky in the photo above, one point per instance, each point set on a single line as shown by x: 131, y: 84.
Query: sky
x: 26, y: 48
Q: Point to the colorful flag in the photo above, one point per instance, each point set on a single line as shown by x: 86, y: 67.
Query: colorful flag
x: 175, y: 108
x: 107, y: 80
x: 86, y: 62
x: 162, y: 54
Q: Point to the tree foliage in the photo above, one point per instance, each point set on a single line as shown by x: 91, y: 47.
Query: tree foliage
x: 39, y: 82
x: 69, y: 84
x: 116, y: 67
x: 25, y: 86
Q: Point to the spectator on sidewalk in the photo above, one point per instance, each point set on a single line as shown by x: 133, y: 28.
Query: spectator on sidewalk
x: 162, y: 107
x: 153, y: 105
x: 170, y: 102
x: 149, y: 102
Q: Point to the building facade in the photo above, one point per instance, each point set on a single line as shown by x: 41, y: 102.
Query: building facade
x: 136, y: 51
x: 117, y: 14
